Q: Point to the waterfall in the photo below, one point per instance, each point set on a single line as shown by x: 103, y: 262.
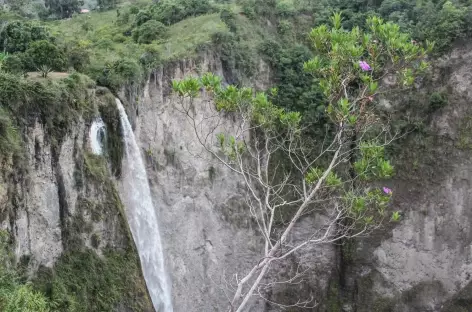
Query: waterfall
x: 142, y: 219
x: 97, y: 136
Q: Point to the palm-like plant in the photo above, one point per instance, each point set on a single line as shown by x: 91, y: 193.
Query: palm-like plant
x: 44, y: 70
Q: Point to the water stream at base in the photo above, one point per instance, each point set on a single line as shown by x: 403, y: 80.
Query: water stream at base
x: 142, y: 219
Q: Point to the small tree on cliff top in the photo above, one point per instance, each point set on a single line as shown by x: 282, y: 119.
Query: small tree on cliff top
x: 288, y: 175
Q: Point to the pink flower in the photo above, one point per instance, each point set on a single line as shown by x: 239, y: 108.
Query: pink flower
x: 387, y: 190
x: 364, y: 66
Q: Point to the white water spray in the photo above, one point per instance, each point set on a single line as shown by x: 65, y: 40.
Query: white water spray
x: 97, y: 136
x: 143, y: 220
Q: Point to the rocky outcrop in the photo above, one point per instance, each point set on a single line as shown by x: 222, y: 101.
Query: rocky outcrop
x: 209, y: 235
x: 423, y: 263
x: 47, y: 203
x: 207, y: 232
x: 59, y: 204
x: 66, y: 197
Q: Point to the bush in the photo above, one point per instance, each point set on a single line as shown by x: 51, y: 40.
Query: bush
x: 25, y: 299
x: 10, y: 140
x: 133, y: 9
x: 45, y: 53
x: 284, y: 27
x: 150, y: 31
x: 63, y: 9
x: 285, y: 9
x: 15, y: 297
x: 17, y: 36
x: 248, y: 10
x: 172, y: 11
x: 142, y: 17
x: 229, y: 18
x: 78, y: 57
x: 13, y: 63
x: 442, y: 24
x: 84, y: 282
x: 151, y: 56
x: 120, y: 38
x: 437, y: 100
x: 106, y: 4
x: 116, y: 74
x: 123, y: 18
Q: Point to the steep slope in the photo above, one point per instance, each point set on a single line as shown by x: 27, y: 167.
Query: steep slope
x: 423, y: 263
x: 63, y: 213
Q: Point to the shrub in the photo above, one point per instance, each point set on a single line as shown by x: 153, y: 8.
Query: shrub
x: 151, y: 56
x: 116, y: 74
x: 123, y: 18
x: 120, y: 38
x: 142, y: 17
x: 173, y: 11
x: 78, y: 57
x: 106, y: 4
x: 150, y: 31
x: 10, y: 140
x: 13, y: 63
x: 25, y: 299
x: 45, y: 53
x: 284, y: 27
x: 248, y: 10
x: 15, y: 297
x: 83, y: 282
x: 284, y: 9
x: 229, y: 18
x: 133, y: 9
x: 437, y: 100
x: 63, y: 9
x: 17, y: 36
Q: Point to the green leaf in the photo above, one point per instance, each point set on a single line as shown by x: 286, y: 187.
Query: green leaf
x: 396, y: 216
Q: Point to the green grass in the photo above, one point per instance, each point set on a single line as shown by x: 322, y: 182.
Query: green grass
x: 10, y: 139
x: 188, y: 34
x: 100, y: 33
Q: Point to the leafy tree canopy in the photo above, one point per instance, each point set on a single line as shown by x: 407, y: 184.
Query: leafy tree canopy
x: 63, y: 8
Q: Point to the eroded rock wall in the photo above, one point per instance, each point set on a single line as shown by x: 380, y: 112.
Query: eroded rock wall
x: 208, y: 232
x: 424, y: 262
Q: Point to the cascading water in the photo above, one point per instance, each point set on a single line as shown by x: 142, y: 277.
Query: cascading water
x: 97, y: 136
x: 143, y: 220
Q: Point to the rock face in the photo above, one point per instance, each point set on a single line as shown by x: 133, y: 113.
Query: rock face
x: 44, y: 206
x: 208, y: 232
x: 206, y: 229
x: 424, y: 262
x: 59, y: 204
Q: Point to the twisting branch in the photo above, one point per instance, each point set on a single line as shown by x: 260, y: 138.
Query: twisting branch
x: 287, y: 175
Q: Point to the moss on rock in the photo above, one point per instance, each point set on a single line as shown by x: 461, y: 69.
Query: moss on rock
x: 82, y: 281
x: 114, y: 143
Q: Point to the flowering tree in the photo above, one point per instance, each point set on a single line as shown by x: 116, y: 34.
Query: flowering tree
x: 287, y: 175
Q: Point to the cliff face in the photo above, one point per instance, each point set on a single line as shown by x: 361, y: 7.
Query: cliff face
x: 419, y: 264
x: 64, y: 215
x: 208, y: 233
x: 65, y: 201
x: 423, y: 263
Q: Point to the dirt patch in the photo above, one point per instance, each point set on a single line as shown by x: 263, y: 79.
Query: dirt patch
x: 51, y: 75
